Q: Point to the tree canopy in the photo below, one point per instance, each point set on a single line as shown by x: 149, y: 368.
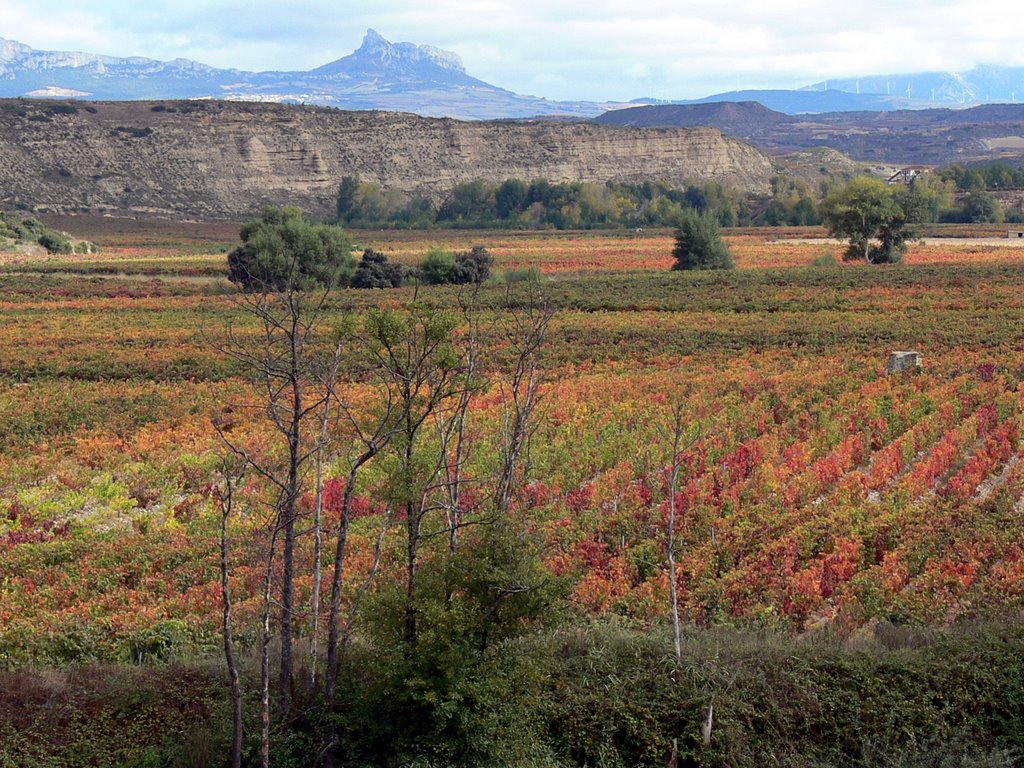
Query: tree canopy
x: 875, y: 218
x: 699, y: 243
x: 281, y: 251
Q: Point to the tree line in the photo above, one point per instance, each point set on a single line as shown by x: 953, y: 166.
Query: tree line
x: 542, y: 204
x: 322, y: 256
x: 984, y: 177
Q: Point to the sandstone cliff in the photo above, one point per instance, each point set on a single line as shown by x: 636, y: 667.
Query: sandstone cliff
x: 226, y: 160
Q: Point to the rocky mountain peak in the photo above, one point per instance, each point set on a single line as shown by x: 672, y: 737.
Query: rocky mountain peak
x: 377, y: 49
x: 11, y: 49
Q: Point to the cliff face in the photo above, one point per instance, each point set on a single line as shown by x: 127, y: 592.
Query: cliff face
x: 227, y: 160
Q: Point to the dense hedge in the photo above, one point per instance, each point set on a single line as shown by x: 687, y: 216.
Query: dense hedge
x: 595, y: 695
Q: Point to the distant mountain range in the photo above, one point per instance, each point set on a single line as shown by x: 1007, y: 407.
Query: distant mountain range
x: 806, y: 101
x: 983, y: 84
x: 398, y: 77
x: 406, y: 77
x: 921, y: 136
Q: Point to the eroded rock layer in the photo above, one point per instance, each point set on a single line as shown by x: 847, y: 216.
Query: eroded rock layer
x: 227, y: 160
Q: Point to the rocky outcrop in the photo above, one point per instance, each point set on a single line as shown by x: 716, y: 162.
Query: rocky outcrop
x: 227, y: 160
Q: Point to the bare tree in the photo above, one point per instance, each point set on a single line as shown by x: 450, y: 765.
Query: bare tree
x: 370, y: 439
x: 282, y: 360
x: 681, y: 438
x: 452, y: 425
x: 678, y: 434
x: 265, y: 638
x: 523, y: 330
x: 329, y: 384
x: 225, y: 496
x: 285, y: 268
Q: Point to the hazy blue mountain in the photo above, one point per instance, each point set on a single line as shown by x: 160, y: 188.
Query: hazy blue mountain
x: 401, y: 77
x: 806, y: 102
x: 985, y: 83
x: 432, y: 82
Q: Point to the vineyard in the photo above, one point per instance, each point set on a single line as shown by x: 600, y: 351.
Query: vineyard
x: 815, y: 490
x: 815, y: 493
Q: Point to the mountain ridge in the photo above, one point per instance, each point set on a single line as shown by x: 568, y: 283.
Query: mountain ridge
x: 928, y: 136
x: 430, y: 81
x: 399, y: 77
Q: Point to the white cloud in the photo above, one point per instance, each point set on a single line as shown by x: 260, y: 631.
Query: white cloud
x: 598, y: 49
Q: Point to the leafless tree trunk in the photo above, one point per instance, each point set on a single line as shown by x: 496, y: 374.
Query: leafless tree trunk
x: 334, y: 629
x: 226, y: 498
x: 678, y: 432
x: 268, y: 581
x: 290, y: 517
x: 525, y: 332
x: 282, y: 361
x: 318, y: 544
x: 452, y: 428
x: 706, y: 724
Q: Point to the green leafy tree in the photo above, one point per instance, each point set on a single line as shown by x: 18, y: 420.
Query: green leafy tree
x: 981, y: 207
x: 510, y: 198
x: 437, y: 268
x: 280, y: 251
x: 935, y: 195
x: 875, y: 218
x: 348, y: 192
x: 699, y: 243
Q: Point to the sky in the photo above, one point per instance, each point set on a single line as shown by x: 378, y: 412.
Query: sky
x: 560, y: 49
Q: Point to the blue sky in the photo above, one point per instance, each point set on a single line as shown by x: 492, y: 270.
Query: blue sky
x: 587, y: 49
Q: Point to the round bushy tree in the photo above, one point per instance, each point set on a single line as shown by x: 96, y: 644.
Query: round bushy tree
x: 699, y: 243
x: 280, y: 251
x: 376, y: 271
x: 875, y: 218
x: 437, y: 267
x: 473, y: 266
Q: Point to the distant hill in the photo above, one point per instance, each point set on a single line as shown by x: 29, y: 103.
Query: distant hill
x: 740, y: 118
x: 886, y: 93
x: 928, y: 136
x: 227, y: 160
x: 398, y: 77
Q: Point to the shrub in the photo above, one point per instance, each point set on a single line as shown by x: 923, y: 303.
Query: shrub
x: 438, y: 267
x: 375, y: 271
x: 699, y: 243
x: 55, y: 242
x: 473, y: 266
x: 282, y: 251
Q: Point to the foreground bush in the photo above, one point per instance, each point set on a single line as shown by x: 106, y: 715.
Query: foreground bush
x: 603, y: 696
x: 593, y: 695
